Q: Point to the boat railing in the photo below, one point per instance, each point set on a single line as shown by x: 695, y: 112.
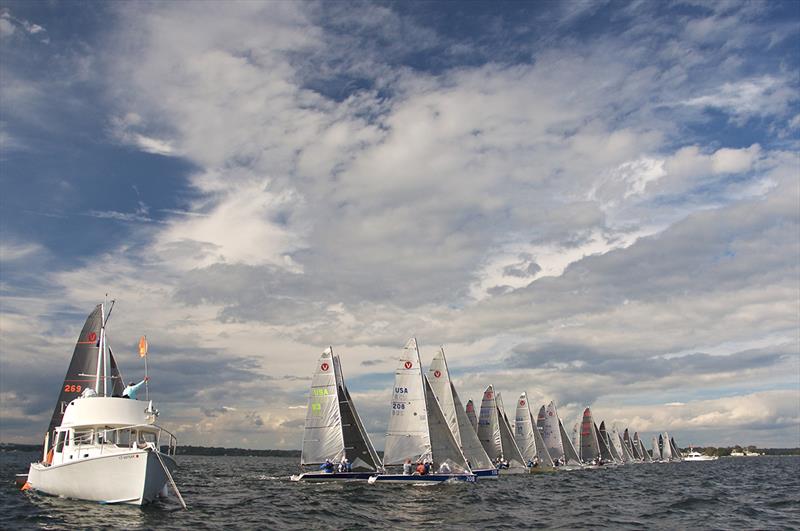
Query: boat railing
x: 171, y: 442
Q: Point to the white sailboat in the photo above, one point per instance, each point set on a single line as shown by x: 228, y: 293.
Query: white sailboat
x: 457, y: 419
x: 555, y: 437
x: 496, y: 436
x: 528, y: 439
x: 666, y: 450
x: 334, y: 435
x: 656, y: 451
x: 105, y: 448
x: 418, y: 430
x: 642, y: 450
x: 619, y: 445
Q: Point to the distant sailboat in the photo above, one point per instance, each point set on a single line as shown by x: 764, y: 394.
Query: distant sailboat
x: 418, y: 430
x: 637, y: 442
x: 612, y: 448
x: 656, y: 452
x: 333, y: 430
x: 473, y: 418
x: 556, y: 439
x: 589, y: 444
x: 463, y: 432
x: 666, y: 451
x: 619, y: 443
x: 675, y: 450
x: 605, y: 451
x: 528, y: 439
x: 496, y: 436
x: 570, y: 452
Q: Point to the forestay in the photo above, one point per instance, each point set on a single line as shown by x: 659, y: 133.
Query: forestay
x: 408, y: 436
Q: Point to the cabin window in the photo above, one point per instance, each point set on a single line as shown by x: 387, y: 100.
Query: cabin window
x: 124, y: 438
x: 82, y: 437
x: 67, y: 439
x: 60, y: 442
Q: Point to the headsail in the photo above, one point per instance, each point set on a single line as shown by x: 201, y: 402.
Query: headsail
x: 408, y: 436
x: 489, y: 425
x: 589, y: 445
x: 643, y: 451
x: 322, y: 437
x: 473, y: 418
x: 470, y: 445
x: 541, y: 448
x: 611, y: 447
x: 357, y: 445
x: 570, y: 454
x: 510, y: 449
x: 666, y: 451
x: 675, y: 451
x: 605, y: 451
x: 524, y: 429
x: 443, y: 445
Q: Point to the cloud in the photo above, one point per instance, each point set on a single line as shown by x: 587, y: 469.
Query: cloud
x: 756, y: 97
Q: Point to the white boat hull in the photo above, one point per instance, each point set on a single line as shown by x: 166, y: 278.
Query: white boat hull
x: 135, y: 478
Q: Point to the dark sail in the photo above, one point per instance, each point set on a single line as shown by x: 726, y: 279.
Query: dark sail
x: 83, y: 364
x: 605, y: 451
x: 355, y: 444
x: 117, y: 384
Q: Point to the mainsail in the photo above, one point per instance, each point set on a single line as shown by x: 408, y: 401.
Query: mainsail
x: 541, y: 448
x: 589, y: 445
x: 470, y: 412
x: 551, y: 432
x: 524, y: 429
x: 666, y: 451
x: 675, y: 451
x: 619, y: 446
x: 463, y: 431
x: 489, y: 425
x: 82, y: 370
x: 323, y: 437
x: 408, y: 436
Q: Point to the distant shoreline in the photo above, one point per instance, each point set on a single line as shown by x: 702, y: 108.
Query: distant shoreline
x: 247, y: 452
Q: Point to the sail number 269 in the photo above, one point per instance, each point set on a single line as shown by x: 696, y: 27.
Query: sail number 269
x: 72, y: 388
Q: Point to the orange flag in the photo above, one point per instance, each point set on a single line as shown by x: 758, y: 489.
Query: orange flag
x: 143, y: 347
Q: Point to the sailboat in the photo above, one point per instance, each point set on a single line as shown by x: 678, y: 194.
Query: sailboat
x: 496, y: 436
x: 656, y: 450
x: 418, y: 430
x: 333, y: 430
x: 457, y: 420
x: 630, y: 446
x: 676, y: 453
x: 100, y: 446
x: 528, y: 439
x: 619, y: 444
x: 666, y: 451
x: 637, y: 442
x: 612, y: 448
x: 473, y: 418
x: 555, y: 437
x: 589, y: 444
x: 605, y: 452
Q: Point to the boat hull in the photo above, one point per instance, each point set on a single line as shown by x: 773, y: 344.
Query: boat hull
x: 427, y: 479
x: 489, y: 473
x: 333, y: 476
x: 134, y: 478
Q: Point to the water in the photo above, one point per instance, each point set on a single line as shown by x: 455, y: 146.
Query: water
x: 254, y: 492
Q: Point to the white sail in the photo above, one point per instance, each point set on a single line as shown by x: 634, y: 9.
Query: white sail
x: 616, y: 442
x: 439, y: 377
x: 463, y: 431
x: 473, y: 418
x: 541, y: 449
x: 570, y: 453
x: 444, y: 448
x: 626, y: 453
x: 551, y: 432
x: 322, y: 437
x: 408, y: 436
x: 666, y: 451
x: 643, y: 451
x: 523, y: 429
x: 656, y: 451
x: 510, y: 450
x: 489, y: 425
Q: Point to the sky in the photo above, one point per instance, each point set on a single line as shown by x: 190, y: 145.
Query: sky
x: 594, y: 202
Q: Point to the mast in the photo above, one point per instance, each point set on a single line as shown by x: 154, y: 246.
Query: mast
x: 100, y: 356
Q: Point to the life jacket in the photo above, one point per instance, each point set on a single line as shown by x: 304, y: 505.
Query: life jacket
x: 421, y: 469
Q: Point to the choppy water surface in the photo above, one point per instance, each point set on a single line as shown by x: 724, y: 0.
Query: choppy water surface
x: 250, y: 492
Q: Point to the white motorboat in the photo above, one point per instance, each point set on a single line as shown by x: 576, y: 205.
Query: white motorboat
x: 697, y: 456
x: 105, y: 448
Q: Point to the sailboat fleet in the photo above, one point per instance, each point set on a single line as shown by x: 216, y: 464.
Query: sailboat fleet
x: 432, y: 437
x: 104, y: 445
